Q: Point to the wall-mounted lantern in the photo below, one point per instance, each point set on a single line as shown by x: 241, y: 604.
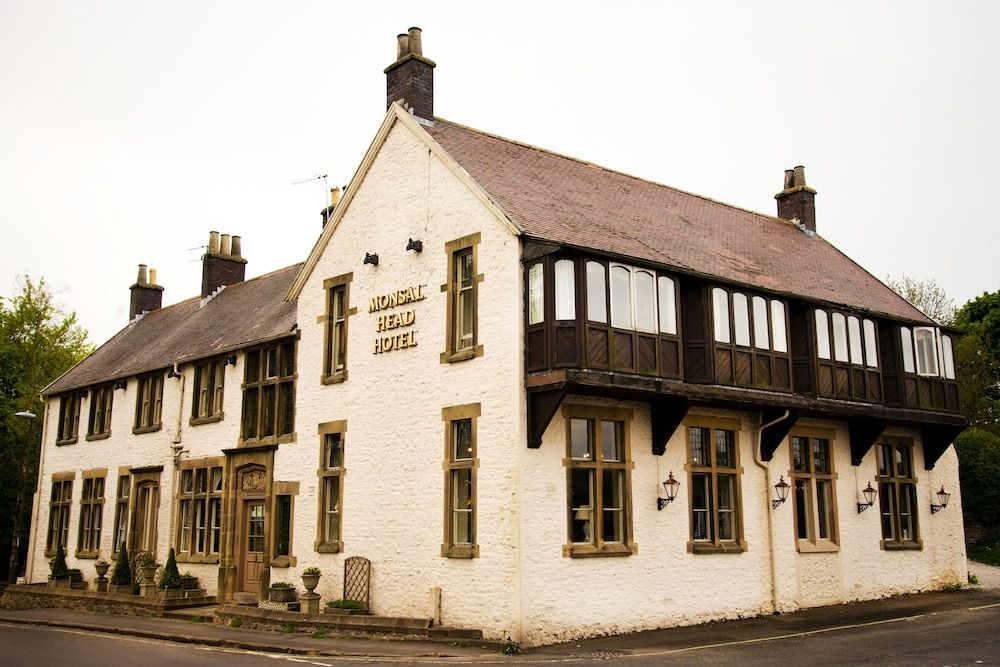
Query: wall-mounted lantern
x: 670, y: 486
x: 371, y: 259
x: 869, y: 494
x: 415, y: 246
x: 943, y: 497
x: 230, y: 360
x: 121, y: 384
x: 781, y: 490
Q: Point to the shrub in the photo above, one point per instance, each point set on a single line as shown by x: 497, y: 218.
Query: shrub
x: 59, y: 569
x: 281, y: 584
x: 122, y: 574
x: 236, y: 622
x: 312, y: 571
x: 344, y: 604
x: 289, y: 628
x: 170, y: 578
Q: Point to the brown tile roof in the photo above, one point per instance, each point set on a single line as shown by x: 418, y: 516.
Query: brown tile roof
x: 560, y: 199
x: 240, y: 315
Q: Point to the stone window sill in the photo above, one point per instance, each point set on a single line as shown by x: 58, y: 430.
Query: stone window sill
x: 67, y: 441
x: 196, y: 558
x: 99, y: 436
x: 329, y: 547
x: 138, y: 430
x: 284, y: 561
x: 888, y: 545
x: 270, y: 440
x: 606, y: 551
x: 209, y: 419
x: 462, y: 355
x: 820, y: 547
x: 721, y: 548
x: 336, y: 378
x: 89, y: 555
x: 460, y: 550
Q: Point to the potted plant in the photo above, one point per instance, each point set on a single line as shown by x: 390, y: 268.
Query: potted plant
x: 101, y: 567
x: 75, y: 575
x: 59, y: 576
x: 146, y: 562
x: 310, y: 579
x: 121, y: 578
x: 188, y: 581
x: 282, y: 591
x: 170, y: 579
x: 343, y: 607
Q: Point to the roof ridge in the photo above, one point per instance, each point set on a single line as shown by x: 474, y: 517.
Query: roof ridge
x: 587, y: 163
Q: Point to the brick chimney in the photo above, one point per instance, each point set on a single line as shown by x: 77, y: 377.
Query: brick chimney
x: 327, y: 212
x: 410, y: 79
x: 147, y: 296
x: 222, y: 264
x: 797, y: 202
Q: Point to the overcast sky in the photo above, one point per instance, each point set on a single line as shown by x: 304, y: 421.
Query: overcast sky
x: 129, y: 129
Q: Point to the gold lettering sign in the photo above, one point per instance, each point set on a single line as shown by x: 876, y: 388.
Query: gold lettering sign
x: 390, y: 321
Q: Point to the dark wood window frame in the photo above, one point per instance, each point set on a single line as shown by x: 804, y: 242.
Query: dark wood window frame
x: 69, y: 418
x: 459, y: 470
x: 335, y: 327
x: 92, y: 488
x: 143, y: 532
x: 456, y: 347
x: 123, y: 493
x: 269, y: 383
x: 712, y: 473
x: 763, y: 362
x: 209, y: 391
x: 101, y: 406
x: 595, y: 545
x: 60, y: 508
x: 149, y: 403
x: 331, y: 472
x: 198, y: 499
x: 807, y: 480
x: 283, y: 527
x: 897, y: 479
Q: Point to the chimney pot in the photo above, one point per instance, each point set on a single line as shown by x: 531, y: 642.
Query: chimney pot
x: 402, y: 46
x: 800, y: 175
x: 213, y: 243
x: 237, y: 249
x: 145, y: 296
x: 222, y: 264
x: 152, y: 276
x: 226, y: 247
x: 416, y: 47
x: 789, y: 178
x: 140, y: 279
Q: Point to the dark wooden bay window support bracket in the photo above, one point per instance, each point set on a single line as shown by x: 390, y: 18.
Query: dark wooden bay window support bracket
x: 774, y: 434
x: 542, y: 407
x: 864, y: 432
x: 665, y: 416
x: 936, y: 439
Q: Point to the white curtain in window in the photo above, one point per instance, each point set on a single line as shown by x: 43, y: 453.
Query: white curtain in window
x: 839, y: 337
x: 854, y: 333
x: 621, y: 297
x: 741, y: 318
x: 760, y: 330
x: 668, y: 305
x: 926, y: 351
x: 597, y: 305
x: 720, y: 314
x: 871, y: 351
x: 822, y: 334
x: 906, y: 342
x: 779, y: 332
x: 565, y: 290
x: 536, y: 294
x: 645, y: 301
x: 947, y: 357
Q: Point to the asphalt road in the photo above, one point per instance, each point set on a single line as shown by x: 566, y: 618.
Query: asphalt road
x: 965, y: 636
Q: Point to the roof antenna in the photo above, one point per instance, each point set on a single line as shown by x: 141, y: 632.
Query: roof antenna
x: 317, y: 177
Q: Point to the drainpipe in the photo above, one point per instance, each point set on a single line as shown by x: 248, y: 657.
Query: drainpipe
x: 767, y: 505
x: 176, y: 449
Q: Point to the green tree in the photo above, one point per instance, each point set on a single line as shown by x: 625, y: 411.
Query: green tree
x: 38, y: 342
x: 926, y: 295
x: 122, y: 574
x: 170, y: 578
x: 978, y: 360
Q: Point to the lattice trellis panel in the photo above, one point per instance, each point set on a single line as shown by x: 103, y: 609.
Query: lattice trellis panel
x: 357, y: 579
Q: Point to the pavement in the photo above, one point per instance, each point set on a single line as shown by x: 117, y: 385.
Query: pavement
x: 339, y: 644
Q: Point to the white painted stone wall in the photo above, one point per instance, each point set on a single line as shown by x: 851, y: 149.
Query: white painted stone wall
x: 393, y: 505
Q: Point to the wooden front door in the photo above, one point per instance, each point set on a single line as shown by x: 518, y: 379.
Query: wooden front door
x: 252, y: 547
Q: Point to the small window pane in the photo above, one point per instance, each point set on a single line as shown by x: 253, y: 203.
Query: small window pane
x: 871, y: 350
x: 947, y: 357
x: 580, y: 439
x: 724, y: 448
x: 462, y: 439
x: 800, y: 454
x: 611, y: 491
x: 611, y: 441
x: 645, y: 302
x: 741, y: 318
x: 621, y: 298
x: 565, y: 290
x: 720, y: 314
x: 906, y: 342
x: 668, y: 305
x: 778, y: 331
x: 581, y: 504
x: 597, y: 307
x: 699, y: 446
x: 333, y: 451
x: 760, y: 331
x: 802, y: 509
x: 824, y: 508
x: 821, y: 455
x: 926, y: 351
x: 822, y: 334
x: 854, y: 334
x: 701, y: 506
x: 536, y: 294
x: 727, y: 507
x: 840, y: 337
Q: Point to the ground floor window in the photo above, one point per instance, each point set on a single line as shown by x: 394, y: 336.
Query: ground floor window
x: 460, y: 463
x: 121, y: 511
x: 331, y: 471
x: 200, y: 509
x: 814, y: 490
x: 145, y: 513
x: 714, y: 473
x: 897, y: 494
x: 91, y: 511
x: 60, y: 501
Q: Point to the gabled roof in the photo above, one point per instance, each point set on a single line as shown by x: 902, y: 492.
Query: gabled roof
x: 240, y: 315
x: 559, y: 199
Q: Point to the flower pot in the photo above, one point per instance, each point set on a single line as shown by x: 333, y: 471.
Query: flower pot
x: 148, y: 572
x: 336, y: 611
x: 281, y: 594
x: 102, y: 569
x: 310, y: 581
x: 189, y: 583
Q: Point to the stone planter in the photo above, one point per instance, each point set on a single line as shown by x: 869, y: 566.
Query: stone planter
x: 102, y: 569
x: 121, y: 589
x: 171, y: 593
x: 281, y: 594
x: 148, y: 572
x: 189, y: 583
x: 311, y: 581
x: 59, y: 583
x: 335, y: 611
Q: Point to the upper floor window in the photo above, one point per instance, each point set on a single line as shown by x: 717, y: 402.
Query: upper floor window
x: 564, y: 291
x: 927, y: 352
x: 209, y: 379
x: 149, y: 403
x: 749, y: 321
x: 462, y: 289
x: 69, y: 418
x: 853, y: 339
x: 640, y: 300
x: 100, y: 412
x: 269, y: 392
x: 338, y: 309
x: 536, y: 293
